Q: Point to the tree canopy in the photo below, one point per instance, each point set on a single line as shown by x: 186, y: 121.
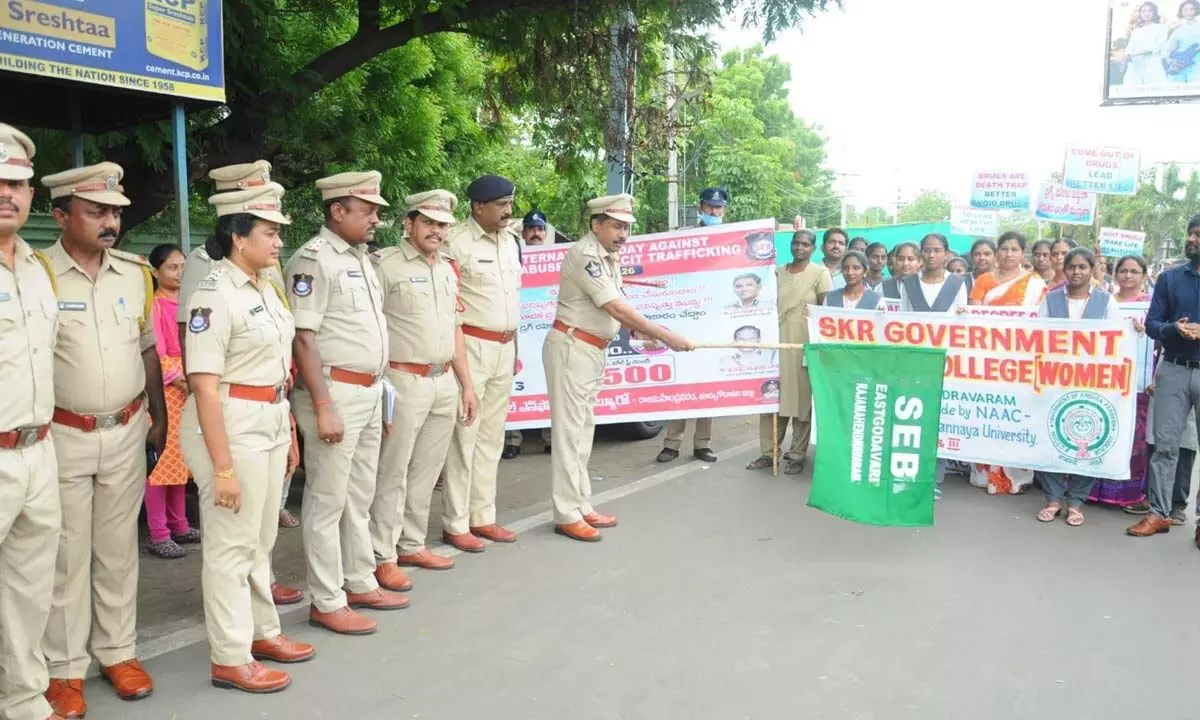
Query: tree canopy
x: 432, y: 94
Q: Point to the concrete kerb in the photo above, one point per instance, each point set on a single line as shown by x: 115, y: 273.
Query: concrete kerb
x: 195, y: 634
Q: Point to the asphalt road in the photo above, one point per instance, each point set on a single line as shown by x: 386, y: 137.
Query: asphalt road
x: 722, y: 596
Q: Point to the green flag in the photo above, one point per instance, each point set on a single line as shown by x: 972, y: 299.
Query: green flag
x: 879, y: 409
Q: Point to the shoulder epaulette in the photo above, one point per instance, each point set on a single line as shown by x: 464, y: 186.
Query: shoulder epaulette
x: 45, y: 262
x: 130, y: 257
x: 211, y: 280
x: 311, y: 248
x: 383, y: 253
x: 202, y: 253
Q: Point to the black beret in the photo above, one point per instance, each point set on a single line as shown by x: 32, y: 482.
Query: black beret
x: 489, y: 188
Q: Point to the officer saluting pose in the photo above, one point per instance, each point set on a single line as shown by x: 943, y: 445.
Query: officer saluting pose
x: 29, y: 506
x: 591, y: 310
x: 235, y: 435
x: 424, y: 344
x: 341, y: 352
x: 106, y: 365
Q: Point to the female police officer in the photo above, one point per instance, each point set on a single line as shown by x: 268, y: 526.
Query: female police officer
x: 235, y: 434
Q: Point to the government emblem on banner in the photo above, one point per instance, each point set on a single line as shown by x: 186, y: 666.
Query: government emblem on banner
x: 1083, y: 427
x: 760, y: 246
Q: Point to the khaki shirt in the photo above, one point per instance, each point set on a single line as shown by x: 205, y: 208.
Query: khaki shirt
x: 197, y: 268
x: 491, y: 276
x: 239, y: 330
x: 420, y: 303
x: 333, y: 291
x: 590, y: 279
x: 28, y: 334
x: 103, y: 329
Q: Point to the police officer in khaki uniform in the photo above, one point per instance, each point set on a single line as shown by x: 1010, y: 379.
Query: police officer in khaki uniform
x: 489, y: 261
x: 235, y: 435
x: 420, y: 289
x: 712, y: 212
x: 341, y: 352
x: 232, y: 178
x: 534, y: 230
x: 29, y: 503
x: 591, y: 310
x: 106, y: 373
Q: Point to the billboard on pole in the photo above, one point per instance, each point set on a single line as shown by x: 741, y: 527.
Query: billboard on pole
x: 1153, y: 52
x: 165, y: 47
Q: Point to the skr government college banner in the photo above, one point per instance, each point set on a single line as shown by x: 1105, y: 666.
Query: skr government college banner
x: 1037, y: 393
x: 719, y: 287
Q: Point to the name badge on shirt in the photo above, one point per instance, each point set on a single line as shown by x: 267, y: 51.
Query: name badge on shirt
x: 256, y: 309
x: 481, y: 260
x: 418, y: 279
x: 354, y: 273
x: 5, y: 297
x: 72, y: 306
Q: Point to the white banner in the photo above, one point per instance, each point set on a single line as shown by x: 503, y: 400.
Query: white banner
x: 1042, y: 394
x: 1119, y: 243
x: 719, y: 288
x: 965, y: 220
x: 1103, y: 170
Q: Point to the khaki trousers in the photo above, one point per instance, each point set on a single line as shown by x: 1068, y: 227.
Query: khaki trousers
x: 235, y: 572
x: 469, y: 498
x: 574, y: 371
x: 701, y: 438
x: 101, y: 484
x: 801, y: 433
x: 29, y: 528
x: 410, y: 459
x: 339, y: 488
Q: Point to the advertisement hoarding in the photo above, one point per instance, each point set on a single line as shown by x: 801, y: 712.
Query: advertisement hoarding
x: 1152, y: 53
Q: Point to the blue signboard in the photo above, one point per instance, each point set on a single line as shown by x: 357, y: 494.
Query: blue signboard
x: 168, y: 47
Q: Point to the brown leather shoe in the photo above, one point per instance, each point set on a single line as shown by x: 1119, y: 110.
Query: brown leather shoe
x: 284, y: 595
x: 597, y: 520
x: 282, y: 649
x: 495, y: 533
x: 343, y: 621
x: 390, y: 576
x: 465, y: 542
x: 1150, y: 525
x: 425, y: 559
x: 129, y: 679
x: 252, y: 678
x: 66, y: 697
x: 377, y: 599
x: 579, y: 530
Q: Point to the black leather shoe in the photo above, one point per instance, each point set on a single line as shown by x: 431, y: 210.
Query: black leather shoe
x: 510, y: 452
x: 705, y: 454
x: 547, y: 449
x: 667, y: 455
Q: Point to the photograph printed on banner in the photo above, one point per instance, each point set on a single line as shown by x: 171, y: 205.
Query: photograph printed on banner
x: 1153, y: 50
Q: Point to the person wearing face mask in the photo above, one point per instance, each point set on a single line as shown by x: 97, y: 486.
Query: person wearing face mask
x: 591, y: 310
x: 29, y: 503
x: 533, y: 232
x: 712, y: 206
x: 107, y: 379
x: 426, y: 355
x: 341, y: 352
x: 489, y: 261
x: 712, y: 213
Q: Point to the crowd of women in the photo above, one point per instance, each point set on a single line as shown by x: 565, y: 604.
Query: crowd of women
x: 1053, y: 276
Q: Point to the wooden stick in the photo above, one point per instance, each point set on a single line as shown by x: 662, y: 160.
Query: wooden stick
x: 775, y: 444
x: 645, y: 283
x: 748, y: 346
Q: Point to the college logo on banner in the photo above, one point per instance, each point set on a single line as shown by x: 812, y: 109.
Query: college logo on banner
x: 1083, y: 427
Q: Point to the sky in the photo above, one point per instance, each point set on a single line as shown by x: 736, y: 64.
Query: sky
x: 918, y: 94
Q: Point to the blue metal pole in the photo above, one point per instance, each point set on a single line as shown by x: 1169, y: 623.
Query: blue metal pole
x: 76, y: 130
x: 179, y: 125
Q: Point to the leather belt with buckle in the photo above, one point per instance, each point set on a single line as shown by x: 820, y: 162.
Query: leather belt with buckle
x: 353, y: 377
x: 429, y: 371
x: 1189, y: 364
x: 106, y: 421
x: 489, y: 335
x: 25, y: 437
x: 594, y: 340
x: 258, y: 393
